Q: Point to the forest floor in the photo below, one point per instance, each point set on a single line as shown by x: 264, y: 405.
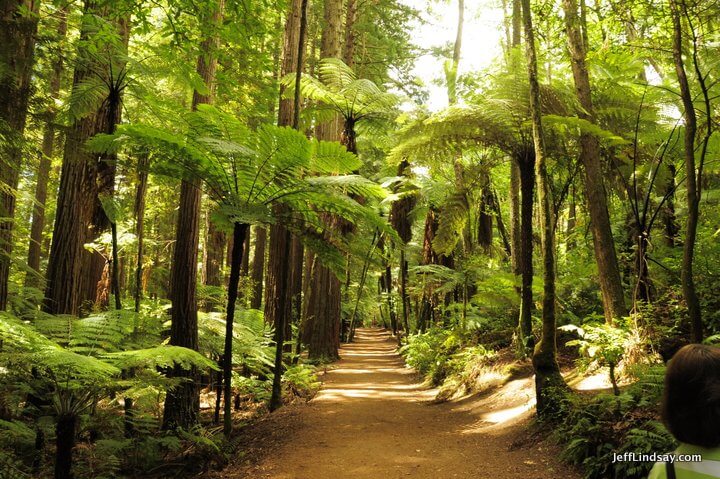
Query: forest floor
x: 373, y: 418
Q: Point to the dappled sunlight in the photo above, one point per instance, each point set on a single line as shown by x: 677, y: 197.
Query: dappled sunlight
x: 508, y: 414
x: 599, y: 381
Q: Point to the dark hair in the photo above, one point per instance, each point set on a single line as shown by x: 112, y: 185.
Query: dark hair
x: 691, y: 403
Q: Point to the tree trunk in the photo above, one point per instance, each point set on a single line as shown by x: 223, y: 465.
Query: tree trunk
x: 547, y: 372
x: 115, y: 282
x: 240, y: 231
x: 350, y: 19
x: 669, y: 218
x: 693, y: 199
x: 596, y: 199
x: 93, y: 263
x: 258, y: 267
x: 525, y: 162
x: 43, y: 172
x: 485, y: 215
x: 278, y: 293
x: 571, y: 221
x: 18, y: 28
x: 182, y: 404
x: 65, y: 443
x: 139, y: 208
x: 404, y: 292
x: 386, y: 283
x: 214, y: 254
x: 324, y: 312
x: 324, y: 305
x: 297, y: 254
x: 451, y: 72
x: 72, y: 275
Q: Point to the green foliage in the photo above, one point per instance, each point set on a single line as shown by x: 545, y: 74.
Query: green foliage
x: 300, y: 380
x: 338, y: 90
x: 593, y: 427
x: 601, y: 344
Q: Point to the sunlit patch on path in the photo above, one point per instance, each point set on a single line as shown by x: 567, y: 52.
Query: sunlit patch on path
x: 374, y: 419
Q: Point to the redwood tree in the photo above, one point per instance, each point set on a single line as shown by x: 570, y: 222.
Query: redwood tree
x: 182, y: 404
x: 18, y: 27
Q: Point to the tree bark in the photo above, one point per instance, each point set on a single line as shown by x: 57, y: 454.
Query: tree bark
x: 525, y: 161
x: 324, y: 304
x: 42, y: 175
x: 596, y: 198
x: 547, y: 372
x: 213, y: 257
x: 278, y: 297
x: 669, y: 218
x: 240, y: 231
x: 451, y: 73
x: 65, y: 443
x: 258, y: 266
x: 139, y: 210
x: 18, y: 28
x: 485, y: 215
x: 79, y: 216
x: 350, y: 19
x: 182, y: 404
x: 692, y: 186
x: 214, y: 253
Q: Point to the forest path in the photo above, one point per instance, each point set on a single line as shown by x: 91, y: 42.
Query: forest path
x: 374, y: 419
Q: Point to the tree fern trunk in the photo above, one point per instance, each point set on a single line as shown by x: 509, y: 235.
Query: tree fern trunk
x: 65, y: 443
x: 238, y: 240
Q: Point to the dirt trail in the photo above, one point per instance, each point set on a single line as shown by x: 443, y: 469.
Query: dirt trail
x: 373, y: 419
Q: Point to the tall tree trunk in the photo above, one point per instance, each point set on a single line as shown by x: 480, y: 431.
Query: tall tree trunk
x: 523, y: 281
x: 525, y: 161
x: 596, y: 198
x: 93, y: 263
x: 386, y: 282
x: 240, y: 231
x: 278, y: 297
x: 485, y: 215
x: 84, y: 175
x: 324, y: 304
x: 42, y: 175
x: 425, y: 311
x: 452, y: 71
x: 139, y: 209
x: 571, y: 221
x: 214, y: 254
x: 182, y: 404
x: 258, y: 267
x: 18, y: 27
x: 547, y: 372
x: 297, y: 254
x: 692, y: 186
x: 669, y: 217
x: 350, y: 19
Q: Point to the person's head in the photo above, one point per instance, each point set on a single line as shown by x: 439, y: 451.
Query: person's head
x: 691, y: 403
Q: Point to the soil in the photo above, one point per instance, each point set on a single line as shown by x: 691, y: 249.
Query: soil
x: 373, y: 418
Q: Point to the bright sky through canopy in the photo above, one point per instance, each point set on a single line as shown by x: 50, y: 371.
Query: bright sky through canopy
x: 482, y: 33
